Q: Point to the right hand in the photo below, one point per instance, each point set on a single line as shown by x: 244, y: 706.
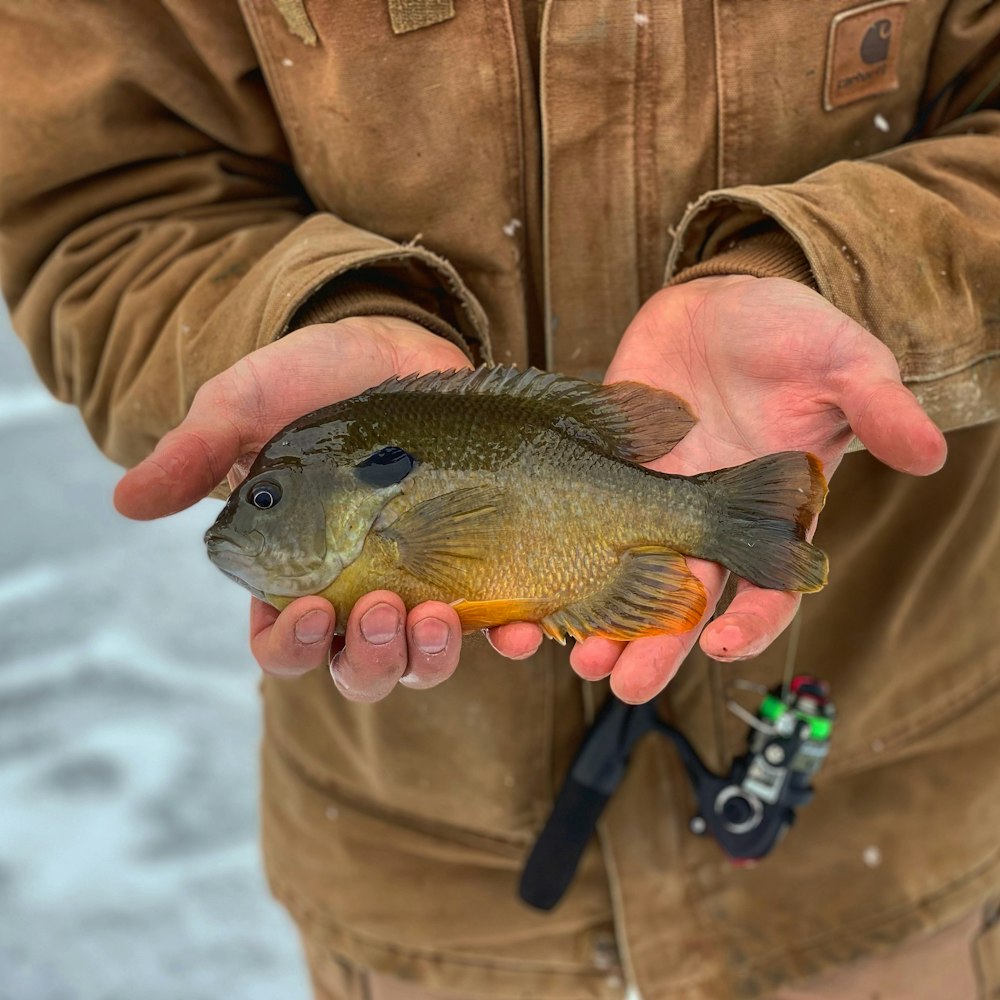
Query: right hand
x: 232, y: 416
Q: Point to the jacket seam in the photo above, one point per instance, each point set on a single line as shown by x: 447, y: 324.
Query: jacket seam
x: 934, y: 716
x: 544, y: 144
x: 313, y: 915
x: 643, y: 148
x: 869, y: 924
x: 866, y: 924
x: 524, y: 234
x: 956, y: 369
x: 275, y: 86
x: 720, y: 162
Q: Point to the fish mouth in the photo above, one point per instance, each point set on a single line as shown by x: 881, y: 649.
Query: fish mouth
x: 221, y: 542
x: 234, y: 554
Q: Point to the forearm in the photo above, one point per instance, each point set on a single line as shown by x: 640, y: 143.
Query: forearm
x: 906, y: 241
x: 153, y: 229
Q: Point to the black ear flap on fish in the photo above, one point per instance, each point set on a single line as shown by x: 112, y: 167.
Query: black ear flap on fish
x: 387, y: 467
x: 765, y: 508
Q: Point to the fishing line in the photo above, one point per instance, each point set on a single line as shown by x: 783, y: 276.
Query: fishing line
x: 792, y: 652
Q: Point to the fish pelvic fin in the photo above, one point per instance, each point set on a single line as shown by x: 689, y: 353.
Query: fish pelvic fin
x: 628, y: 420
x: 654, y: 593
x: 766, y: 507
x: 437, y: 537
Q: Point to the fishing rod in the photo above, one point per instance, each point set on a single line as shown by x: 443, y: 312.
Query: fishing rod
x: 746, y: 811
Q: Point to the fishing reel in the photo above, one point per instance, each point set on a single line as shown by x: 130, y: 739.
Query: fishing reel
x: 747, y: 810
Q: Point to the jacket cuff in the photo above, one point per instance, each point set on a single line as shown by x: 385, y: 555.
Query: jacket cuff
x: 379, y: 292
x: 932, y: 246
x: 772, y: 253
x: 306, y: 267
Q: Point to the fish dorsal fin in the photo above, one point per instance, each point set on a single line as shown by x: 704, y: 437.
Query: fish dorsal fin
x: 626, y: 419
x: 436, y: 536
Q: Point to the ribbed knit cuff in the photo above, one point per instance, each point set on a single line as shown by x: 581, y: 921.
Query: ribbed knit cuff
x: 375, y: 292
x: 771, y: 254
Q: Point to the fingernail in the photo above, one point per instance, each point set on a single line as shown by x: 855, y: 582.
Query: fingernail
x: 312, y: 627
x: 430, y: 636
x: 380, y: 624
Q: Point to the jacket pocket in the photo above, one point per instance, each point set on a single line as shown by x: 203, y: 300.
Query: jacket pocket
x: 469, y: 758
x: 802, y: 85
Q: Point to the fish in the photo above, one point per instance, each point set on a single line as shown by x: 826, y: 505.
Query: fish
x: 513, y: 495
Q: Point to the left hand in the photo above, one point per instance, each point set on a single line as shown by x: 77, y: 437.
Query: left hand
x: 767, y: 365
x: 231, y: 418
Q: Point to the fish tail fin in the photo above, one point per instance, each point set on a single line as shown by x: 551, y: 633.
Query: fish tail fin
x: 765, y: 509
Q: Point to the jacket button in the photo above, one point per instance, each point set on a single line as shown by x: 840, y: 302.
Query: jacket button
x: 604, y: 952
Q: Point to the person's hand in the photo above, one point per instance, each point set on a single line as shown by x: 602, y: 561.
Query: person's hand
x: 767, y: 365
x: 231, y: 418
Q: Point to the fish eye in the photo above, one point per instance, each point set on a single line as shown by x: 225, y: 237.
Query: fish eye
x: 264, y: 496
x: 388, y: 466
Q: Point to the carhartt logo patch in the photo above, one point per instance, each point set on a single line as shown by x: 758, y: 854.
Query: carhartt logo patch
x: 863, y: 54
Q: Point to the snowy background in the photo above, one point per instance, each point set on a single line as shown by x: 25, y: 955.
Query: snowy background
x: 129, y: 728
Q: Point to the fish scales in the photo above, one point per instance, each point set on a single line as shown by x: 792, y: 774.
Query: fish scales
x: 514, y: 496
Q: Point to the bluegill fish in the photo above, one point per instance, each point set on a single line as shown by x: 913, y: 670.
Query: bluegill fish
x: 515, y: 496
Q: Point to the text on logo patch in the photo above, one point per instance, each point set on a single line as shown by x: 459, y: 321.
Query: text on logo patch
x: 863, y: 52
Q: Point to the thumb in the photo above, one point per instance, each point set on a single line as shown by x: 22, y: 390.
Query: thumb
x: 228, y: 419
x: 186, y: 465
x: 892, y: 425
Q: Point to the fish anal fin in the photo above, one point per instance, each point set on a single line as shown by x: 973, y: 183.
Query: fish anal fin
x: 437, y: 537
x: 654, y: 593
x: 475, y: 615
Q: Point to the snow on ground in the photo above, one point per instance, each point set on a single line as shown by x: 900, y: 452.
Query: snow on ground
x: 129, y: 727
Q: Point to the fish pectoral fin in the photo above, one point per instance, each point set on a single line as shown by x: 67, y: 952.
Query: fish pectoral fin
x: 436, y: 536
x: 653, y: 594
x: 475, y: 615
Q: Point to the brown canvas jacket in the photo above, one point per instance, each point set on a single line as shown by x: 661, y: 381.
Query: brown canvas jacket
x: 183, y: 182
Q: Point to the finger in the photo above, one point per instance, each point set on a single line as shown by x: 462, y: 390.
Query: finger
x: 295, y: 641
x: 595, y: 657
x: 646, y: 666
x: 516, y: 641
x: 186, y: 465
x: 222, y: 426
x: 434, y: 635
x: 753, y: 620
x: 891, y: 424
x: 374, y: 655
